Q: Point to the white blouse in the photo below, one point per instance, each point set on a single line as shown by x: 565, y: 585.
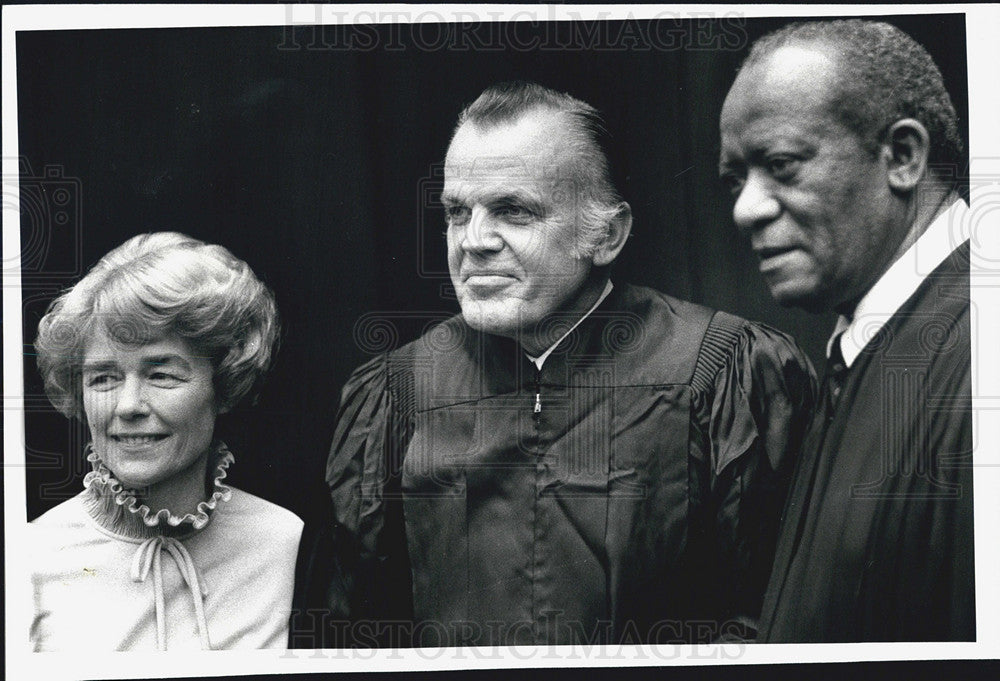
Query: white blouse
x: 109, y: 575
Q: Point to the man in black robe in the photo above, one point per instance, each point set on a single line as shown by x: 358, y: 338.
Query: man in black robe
x: 840, y: 143
x: 568, y: 460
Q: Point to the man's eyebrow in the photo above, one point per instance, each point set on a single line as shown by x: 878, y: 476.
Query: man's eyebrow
x: 492, y: 199
x: 519, y: 199
x: 728, y: 165
x: 513, y: 197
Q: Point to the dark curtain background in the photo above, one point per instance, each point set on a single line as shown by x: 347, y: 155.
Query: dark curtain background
x: 313, y: 153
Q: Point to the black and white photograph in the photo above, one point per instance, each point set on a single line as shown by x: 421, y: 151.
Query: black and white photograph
x: 398, y: 338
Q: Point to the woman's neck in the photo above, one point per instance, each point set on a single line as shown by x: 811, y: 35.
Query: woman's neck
x: 183, y: 505
x: 182, y: 492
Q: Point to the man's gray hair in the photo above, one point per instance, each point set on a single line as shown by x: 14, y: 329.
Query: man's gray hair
x: 884, y: 75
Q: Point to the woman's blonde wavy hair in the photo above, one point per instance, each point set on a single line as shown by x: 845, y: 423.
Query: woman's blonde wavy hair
x: 155, y: 285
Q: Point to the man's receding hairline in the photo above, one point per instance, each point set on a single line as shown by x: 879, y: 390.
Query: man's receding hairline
x: 491, y: 124
x: 832, y: 84
x: 818, y: 44
x: 574, y: 133
x: 882, y: 75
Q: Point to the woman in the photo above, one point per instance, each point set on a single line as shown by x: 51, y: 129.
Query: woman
x: 164, y: 334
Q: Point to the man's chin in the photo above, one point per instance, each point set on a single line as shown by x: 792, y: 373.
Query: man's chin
x: 804, y: 298
x: 499, y: 320
x: 488, y: 323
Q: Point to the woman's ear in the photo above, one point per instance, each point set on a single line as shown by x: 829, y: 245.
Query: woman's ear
x: 619, y: 229
x: 221, y: 406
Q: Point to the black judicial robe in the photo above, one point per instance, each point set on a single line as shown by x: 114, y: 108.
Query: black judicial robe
x: 877, y: 537
x: 625, y: 492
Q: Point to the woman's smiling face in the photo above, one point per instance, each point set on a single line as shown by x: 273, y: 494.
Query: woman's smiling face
x: 151, y: 408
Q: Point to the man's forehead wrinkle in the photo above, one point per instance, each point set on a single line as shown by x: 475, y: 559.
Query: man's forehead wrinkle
x: 499, y: 168
x: 530, y: 160
x: 487, y: 181
x: 537, y: 134
x: 760, y: 133
x: 780, y: 101
x: 479, y: 167
x: 496, y: 189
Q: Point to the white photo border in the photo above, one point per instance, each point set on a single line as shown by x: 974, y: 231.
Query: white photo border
x: 983, y: 27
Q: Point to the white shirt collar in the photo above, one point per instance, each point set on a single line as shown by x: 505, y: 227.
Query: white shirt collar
x: 899, y: 282
x: 540, y: 360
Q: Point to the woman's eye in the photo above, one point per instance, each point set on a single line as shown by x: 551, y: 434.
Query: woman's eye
x: 99, y: 381
x: 164, y: 377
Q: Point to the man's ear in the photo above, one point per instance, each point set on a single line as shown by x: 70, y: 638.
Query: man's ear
x: 618, y: 230
x: 909, y: 145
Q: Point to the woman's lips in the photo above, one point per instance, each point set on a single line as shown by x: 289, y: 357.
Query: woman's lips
x: 137, y: 440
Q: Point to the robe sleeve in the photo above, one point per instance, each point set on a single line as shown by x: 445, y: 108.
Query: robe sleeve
x: 759, y: 410
x: 370, y: 578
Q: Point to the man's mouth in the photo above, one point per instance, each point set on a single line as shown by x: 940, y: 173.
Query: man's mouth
x: 773, y: 257
x: 486, y: 276
x: 773, y: 251
x: 486, y: 284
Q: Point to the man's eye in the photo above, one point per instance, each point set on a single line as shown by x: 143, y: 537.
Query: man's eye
x: 457, y: 215
x: 732, y: 182
x: 513, y: 212
x: 782, y: 167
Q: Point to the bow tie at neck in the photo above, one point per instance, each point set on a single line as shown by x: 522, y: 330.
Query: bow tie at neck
x: 121, y: 511
x: 148, y: 557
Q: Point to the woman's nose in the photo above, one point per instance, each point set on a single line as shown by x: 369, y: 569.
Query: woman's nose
x: 131, y: 398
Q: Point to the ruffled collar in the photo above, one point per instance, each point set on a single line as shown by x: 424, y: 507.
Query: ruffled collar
x: 121, y: 511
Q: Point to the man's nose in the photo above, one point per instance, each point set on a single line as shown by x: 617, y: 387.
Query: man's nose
x: 481, y: 234
x: 756, y: 205
x: 131, y: 398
